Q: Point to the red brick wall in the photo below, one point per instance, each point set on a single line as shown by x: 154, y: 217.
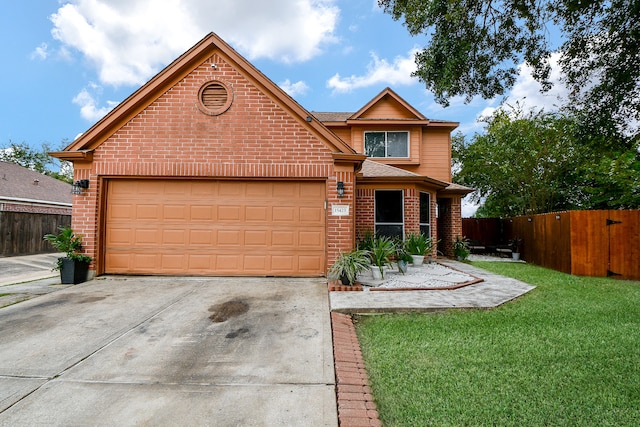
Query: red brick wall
x: 256, y: 137
x: 449, y: 223
x: 365, y: 215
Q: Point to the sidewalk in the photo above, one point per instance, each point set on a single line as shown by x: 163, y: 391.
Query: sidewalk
x: 23, y: 277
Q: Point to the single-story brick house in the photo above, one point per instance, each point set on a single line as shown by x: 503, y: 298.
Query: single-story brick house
x: 211, y: 169
x: 24, y: 190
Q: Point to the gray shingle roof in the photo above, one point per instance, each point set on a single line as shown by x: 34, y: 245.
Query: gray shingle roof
x: 22, y: 183
x: 372, y: 169
x: 331, y: 117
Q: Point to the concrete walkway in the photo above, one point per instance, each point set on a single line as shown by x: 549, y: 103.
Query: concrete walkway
x: 494, y: 291
x: 25, y: 277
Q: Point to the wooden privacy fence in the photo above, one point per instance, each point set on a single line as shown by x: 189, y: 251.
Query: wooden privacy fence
x: 584, y: 243
x: 21, y: 232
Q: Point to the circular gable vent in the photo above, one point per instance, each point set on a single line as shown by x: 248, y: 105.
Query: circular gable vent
x: 214, y: 98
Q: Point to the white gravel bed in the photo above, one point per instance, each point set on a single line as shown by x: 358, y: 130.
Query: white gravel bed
x: 432, y: 275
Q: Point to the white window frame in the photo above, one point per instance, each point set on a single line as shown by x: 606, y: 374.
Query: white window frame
x: 386, y: 143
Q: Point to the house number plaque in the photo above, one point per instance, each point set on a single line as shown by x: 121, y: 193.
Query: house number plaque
x: 339, y: 210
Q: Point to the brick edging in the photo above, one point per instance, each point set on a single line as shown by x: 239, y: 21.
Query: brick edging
x: 355, y: 402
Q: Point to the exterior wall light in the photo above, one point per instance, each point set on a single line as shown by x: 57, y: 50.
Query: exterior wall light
x: 79, y: 186
x: 340, y: 189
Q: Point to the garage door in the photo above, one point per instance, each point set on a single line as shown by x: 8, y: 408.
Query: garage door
x: 201, y: 227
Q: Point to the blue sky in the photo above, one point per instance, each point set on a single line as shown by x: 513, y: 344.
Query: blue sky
x: 66, y: 63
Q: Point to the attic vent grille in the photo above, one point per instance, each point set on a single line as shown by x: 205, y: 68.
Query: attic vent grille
x: 214, y: 98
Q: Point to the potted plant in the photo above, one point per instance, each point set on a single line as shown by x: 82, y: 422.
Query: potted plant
x: 348, y: 265
x: 403, y: 258
x: 418, y: 245
x: 516, y: 246
x: 75, y: 265
x: 382, y: 250
x: 461, y: 248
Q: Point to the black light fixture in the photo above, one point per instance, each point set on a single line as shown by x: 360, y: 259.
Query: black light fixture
x: 340, y: 189
x: 79, y: 186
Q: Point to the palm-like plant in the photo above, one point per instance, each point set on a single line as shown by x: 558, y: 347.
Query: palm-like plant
x: 348, y: 265
x: 68, y: 242
x: 419, y: 244
x: 382, y: 249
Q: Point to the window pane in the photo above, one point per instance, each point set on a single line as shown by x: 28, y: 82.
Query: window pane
x: 397, y: 144
x: 426, y: 230
x: 389, y: 206
x: 389, y: 230
x: 424, y: 208
x: 374, y: 144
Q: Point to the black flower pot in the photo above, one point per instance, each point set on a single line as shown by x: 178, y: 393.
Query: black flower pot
x: 73, y: 271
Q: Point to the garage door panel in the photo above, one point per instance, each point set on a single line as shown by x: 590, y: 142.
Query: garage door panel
x: 257, y: 214
x: 202, y: 213
x: 227, y: 263
x: 229, y: 237
x: 147, y: 237
x: 148, y: 212
x: 202, y: 237
x: 120, y: 211
x: 174, y: 237
x: 200, y: 262
x: 310, y: 239
x: 173, y: 262
x: 311, y: 215
x: 310, y: 262
x: 286, y: 238
x: 175, y: 213
x: 120, y: 236
x: 215, y: 227
x: 256, y: 238
x: 229, y: 213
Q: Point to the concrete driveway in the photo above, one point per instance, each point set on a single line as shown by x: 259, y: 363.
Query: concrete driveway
x: 170, y: 351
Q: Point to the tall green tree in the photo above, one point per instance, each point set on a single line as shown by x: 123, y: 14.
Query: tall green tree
x: 535, y: 162
x: 37, y: 160
x: 475, y: 48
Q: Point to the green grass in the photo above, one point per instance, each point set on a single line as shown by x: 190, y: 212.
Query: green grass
x: 566, y: 354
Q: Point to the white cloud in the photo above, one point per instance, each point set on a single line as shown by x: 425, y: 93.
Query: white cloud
x: 469, y: 208
x: 294, y: 89
x: 128, y: 41
x: 41, y: 52
x: 528, y: 92
x: 379, y: 72
x: 89, y: 109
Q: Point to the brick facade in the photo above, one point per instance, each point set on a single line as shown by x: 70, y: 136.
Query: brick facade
x: 449, y: 223
x: 163, y: 130
x: 255, y: 138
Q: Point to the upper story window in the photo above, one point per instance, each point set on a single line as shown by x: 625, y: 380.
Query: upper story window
x: 386, y: 144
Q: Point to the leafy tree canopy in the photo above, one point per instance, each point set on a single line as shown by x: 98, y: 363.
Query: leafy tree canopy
x: 475, y: 47
x: 37, y: 160
x: 536, y: 162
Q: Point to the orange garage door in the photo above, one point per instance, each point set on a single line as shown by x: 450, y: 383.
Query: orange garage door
x: 201, y: 227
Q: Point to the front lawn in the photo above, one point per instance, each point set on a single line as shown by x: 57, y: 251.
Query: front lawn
x: 567, y: 353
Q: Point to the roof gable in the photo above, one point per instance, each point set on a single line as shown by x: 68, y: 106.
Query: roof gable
x: 82, y: 147
x: 388, y: 105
